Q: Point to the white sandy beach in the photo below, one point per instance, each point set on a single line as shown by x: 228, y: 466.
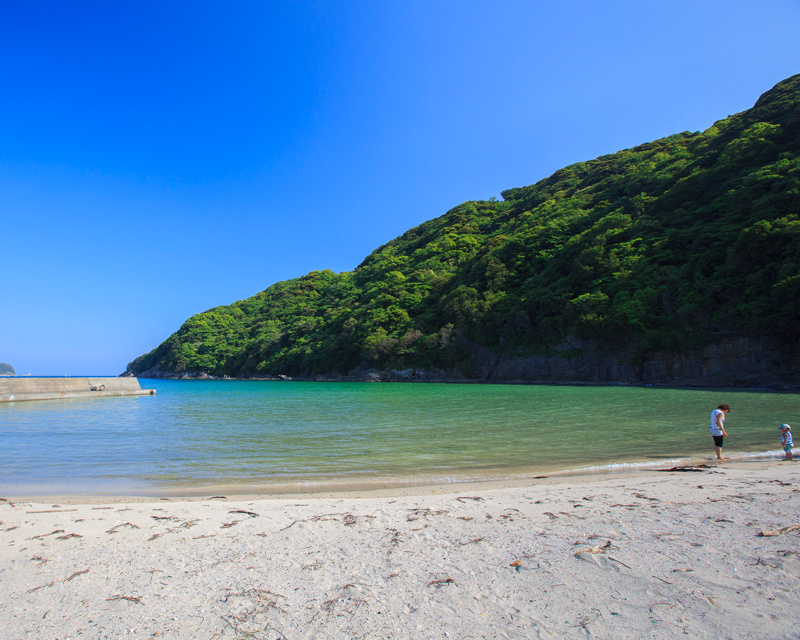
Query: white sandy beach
x: 656, y: 555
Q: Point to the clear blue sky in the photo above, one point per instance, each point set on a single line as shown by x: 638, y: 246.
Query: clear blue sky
x: 158, y: 159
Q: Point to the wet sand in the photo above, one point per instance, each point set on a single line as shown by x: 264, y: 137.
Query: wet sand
x: 654, y: 554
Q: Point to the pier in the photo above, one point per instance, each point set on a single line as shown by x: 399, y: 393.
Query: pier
x: 23, y: 389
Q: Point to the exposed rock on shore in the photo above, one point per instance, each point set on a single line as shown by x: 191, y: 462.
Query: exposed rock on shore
x: 739, y: 362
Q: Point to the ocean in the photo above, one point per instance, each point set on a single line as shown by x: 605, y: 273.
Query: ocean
x: 197, y: 436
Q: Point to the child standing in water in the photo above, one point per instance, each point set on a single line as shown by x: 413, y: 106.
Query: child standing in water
x: 786, y: 440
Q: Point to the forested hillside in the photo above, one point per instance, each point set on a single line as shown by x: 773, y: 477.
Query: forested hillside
x: 672, y: 245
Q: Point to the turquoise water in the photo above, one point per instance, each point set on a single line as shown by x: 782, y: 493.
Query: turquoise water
x: 299, y: 436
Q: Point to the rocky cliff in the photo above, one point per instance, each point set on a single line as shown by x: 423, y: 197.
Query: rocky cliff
x: 737, y: 362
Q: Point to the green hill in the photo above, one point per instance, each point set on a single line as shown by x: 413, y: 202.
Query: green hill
x: 677, y: 244
x: 7, y: 370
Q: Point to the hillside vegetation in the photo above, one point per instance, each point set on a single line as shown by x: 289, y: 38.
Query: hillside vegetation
x: 673, y: 244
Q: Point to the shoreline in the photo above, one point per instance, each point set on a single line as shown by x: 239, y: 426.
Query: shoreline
x: 637, y: 555
x: 360, y: 490
x: 428, y: 378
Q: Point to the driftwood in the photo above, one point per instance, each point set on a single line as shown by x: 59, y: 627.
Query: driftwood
x: 52, y: 511
x: 777, y: 532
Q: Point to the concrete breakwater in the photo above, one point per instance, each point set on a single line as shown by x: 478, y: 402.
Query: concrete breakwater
x: 21, y: 389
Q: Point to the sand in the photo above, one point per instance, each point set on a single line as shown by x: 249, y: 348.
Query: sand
x: 658, y: 555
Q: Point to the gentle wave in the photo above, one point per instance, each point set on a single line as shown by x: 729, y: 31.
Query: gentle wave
x: 621, y: 467
x: 630, y: 467
x: 778, y: 453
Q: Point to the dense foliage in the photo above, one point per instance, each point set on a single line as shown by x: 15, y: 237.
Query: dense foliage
x: 7, y: 370
x: 675, y: 243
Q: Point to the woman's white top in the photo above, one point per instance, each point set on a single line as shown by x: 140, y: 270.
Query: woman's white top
x: 714, y: 429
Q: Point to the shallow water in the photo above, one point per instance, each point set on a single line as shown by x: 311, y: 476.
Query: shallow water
x: 262, y: 436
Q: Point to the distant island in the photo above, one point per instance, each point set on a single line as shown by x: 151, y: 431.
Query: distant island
x: 676, y: 261
x: 7, y: 370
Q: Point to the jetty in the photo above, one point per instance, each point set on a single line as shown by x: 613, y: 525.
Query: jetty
x: 22, y: 389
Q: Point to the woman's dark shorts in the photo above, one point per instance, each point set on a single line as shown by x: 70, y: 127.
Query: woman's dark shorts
x: 718, y: 440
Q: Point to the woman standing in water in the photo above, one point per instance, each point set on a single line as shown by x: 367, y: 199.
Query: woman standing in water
x: 717, y: 427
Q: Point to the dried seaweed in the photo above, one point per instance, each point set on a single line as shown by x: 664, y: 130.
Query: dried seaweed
x: 418, y: 513
x: 44, y: 535
x: 461, y: 544
x: 585, y: 620
x: 76, y: 574
x: 440, y: 582
x: 49, y: 584
x: 124, y: 525
x: 135, y: 599
x: 697, y: 468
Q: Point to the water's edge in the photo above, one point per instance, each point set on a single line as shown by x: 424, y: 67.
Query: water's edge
x: 404, y: 486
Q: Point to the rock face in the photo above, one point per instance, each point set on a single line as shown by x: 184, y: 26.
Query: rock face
x: 738, y: 362
x: 7, y: 370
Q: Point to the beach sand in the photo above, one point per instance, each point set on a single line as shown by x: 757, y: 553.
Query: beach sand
x: 659, y: 555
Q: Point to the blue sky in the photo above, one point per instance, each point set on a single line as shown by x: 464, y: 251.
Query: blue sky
x: 158, y: 159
